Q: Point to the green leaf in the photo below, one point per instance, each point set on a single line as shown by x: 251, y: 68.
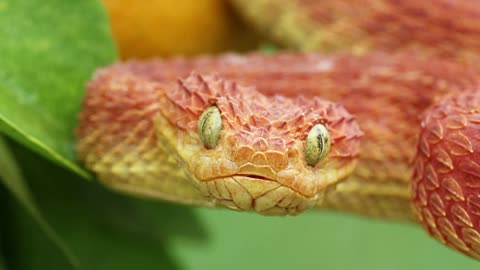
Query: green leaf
x: 3, y: 264
x: 104, y: 230
x: 11, y: 177
x: 49, y: 49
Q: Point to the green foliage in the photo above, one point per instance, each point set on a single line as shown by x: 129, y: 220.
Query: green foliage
x: 3, y: 265
x: 104, y: 230
x: 14, y: 182
x: 48, y: 50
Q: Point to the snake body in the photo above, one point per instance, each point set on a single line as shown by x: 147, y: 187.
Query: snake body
x: 138, y: 132
x: 446, y: 179
x: 438, y: 28
x: 141, y: 126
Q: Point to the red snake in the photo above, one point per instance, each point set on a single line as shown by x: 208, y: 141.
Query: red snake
x: 250, y: 132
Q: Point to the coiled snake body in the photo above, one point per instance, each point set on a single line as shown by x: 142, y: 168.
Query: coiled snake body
x: 250, y: 132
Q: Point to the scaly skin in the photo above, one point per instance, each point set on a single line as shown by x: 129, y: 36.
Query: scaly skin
x: 138, y: 132
x: 386, y: 94
x: 446, y: 180
x: 440, y: 28
x: 430, y: 29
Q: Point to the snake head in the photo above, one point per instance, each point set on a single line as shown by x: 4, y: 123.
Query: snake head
x: 248, y: 151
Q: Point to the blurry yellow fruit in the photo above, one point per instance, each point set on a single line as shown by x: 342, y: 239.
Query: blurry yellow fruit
x: 171, y: 27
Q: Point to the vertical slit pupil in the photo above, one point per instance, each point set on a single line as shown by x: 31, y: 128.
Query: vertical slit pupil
x: 320, y: 144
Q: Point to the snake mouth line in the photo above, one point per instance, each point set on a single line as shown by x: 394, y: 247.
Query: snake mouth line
x: 253, y: 176
x: 256, y: 177
x: 252, y: 192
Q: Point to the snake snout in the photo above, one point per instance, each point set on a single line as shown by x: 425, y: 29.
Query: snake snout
x: 258, y: 179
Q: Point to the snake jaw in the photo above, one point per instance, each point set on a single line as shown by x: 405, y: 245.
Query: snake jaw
x: 243, y: 186
x: 248, y: 184
x: 252, y: 187
x: 245, y: 193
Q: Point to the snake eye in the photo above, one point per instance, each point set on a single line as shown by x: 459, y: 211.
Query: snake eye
x: 317, y: 144
x: 209, y: 127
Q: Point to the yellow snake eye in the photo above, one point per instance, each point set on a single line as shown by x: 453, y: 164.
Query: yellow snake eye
x: 317, y: 144
x: 209, y: 127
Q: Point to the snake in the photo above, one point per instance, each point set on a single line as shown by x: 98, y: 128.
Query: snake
x: 430, y: 29
x: 389, y: 134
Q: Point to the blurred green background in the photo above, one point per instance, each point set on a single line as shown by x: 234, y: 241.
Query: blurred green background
x: 55, y: 216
